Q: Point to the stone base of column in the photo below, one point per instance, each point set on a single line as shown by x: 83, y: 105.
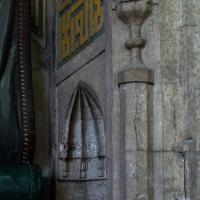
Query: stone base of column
x: 136, y: 109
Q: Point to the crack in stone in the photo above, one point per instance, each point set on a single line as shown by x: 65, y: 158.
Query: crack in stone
x: 135, y: 125
x: 185, y: 178
x: 175, y: 118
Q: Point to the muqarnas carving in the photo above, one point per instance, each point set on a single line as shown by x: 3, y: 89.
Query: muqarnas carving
x: 82, y: 149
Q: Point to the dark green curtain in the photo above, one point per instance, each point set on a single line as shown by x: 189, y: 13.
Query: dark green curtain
x: 20, y: 182
x: 9, y: 120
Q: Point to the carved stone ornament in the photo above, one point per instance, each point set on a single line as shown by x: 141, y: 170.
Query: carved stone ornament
x: 134, y: 13
x: 82, y: 149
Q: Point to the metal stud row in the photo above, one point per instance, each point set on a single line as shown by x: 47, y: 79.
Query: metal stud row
x: 27, y: 133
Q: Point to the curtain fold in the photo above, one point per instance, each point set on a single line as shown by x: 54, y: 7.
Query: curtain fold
x: 20, y: 182
x: 16, y: 92
x: 17, y: 181
x: 9, y: 101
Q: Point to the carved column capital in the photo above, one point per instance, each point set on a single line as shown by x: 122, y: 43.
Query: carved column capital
x: 134, y: 13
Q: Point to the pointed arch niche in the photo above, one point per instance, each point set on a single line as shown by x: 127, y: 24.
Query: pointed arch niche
x: 82, y: 153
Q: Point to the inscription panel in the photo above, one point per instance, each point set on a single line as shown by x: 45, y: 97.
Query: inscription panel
x: 79, y: 23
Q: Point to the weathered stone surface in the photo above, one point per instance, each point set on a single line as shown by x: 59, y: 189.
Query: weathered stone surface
x: 80, y: 190
x: 136, y: 75
x: 136, y: 127
x: 172, y: 91
x: 136, y: 177
x: 120, y: 58
x: 168, y: 59
x: 192, y: 53
x: 90, y: 53
x: 137, y: 118
x: 173, y: 129
x: 92, y: 74
x: 148, y: 128
x: 173, y: 176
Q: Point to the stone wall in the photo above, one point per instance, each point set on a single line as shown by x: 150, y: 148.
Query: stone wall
x: 171, y: 172
x: 151, y: 115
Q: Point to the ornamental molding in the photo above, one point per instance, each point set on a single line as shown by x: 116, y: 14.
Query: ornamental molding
x: 134, y: 13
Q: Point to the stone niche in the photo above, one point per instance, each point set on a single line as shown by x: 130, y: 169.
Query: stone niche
x: 82, y: 153
x: 82, y: 157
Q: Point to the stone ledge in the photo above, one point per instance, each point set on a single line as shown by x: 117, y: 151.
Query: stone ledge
x: 142, y: 75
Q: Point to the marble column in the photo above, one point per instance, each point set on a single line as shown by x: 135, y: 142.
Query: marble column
x: 136, y: 106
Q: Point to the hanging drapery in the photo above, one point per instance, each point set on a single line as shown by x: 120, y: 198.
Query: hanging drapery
x: 16, y: 99
x: 20, y: 182
x: 19, y: 179
x: 9, y: 124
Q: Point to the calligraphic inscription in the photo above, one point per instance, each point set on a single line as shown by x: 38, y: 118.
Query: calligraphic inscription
x: 79, y: 23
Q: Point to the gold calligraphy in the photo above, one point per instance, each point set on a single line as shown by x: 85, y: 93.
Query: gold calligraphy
x: 78, y: 23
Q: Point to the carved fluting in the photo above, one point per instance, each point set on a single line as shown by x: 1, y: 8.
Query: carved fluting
x: 83, y: 145
x: 134, y: 13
